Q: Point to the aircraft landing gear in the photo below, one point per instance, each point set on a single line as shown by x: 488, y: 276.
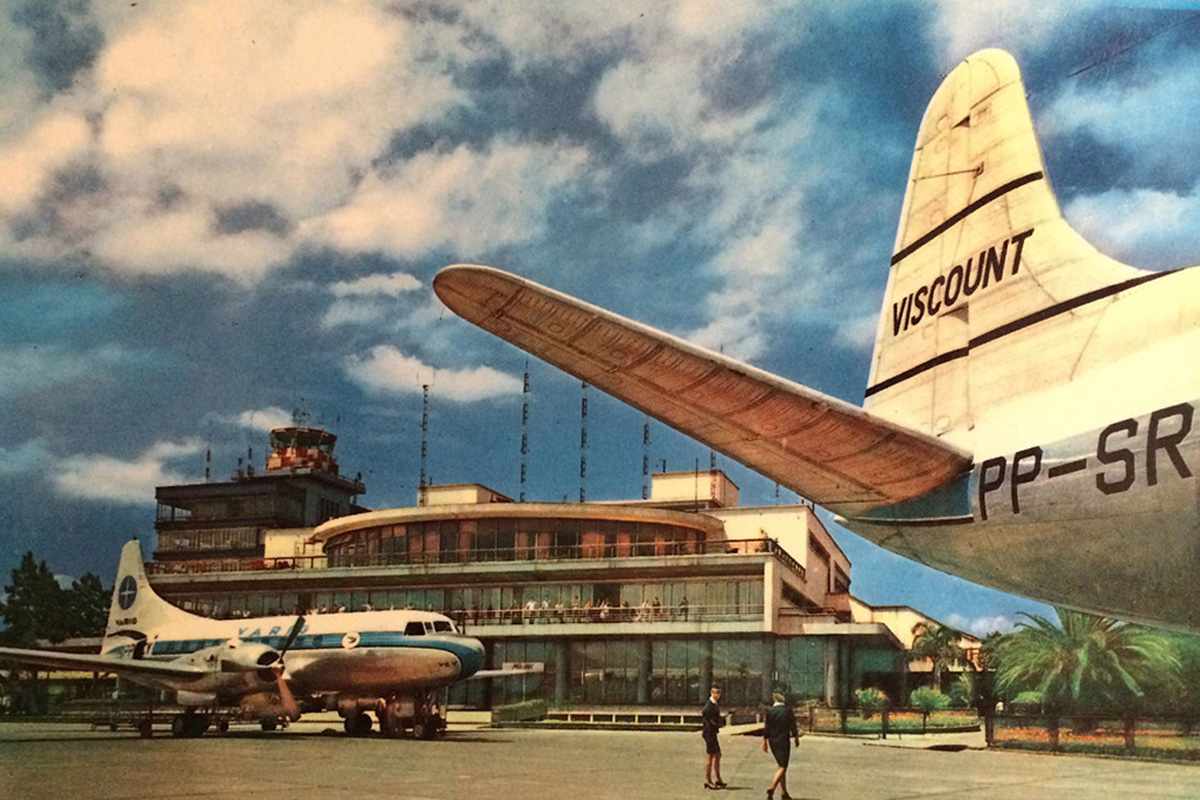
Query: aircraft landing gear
x: 269, y: 724
x: 428, y: 721
x: 357, y: 724
x: 189, y: 725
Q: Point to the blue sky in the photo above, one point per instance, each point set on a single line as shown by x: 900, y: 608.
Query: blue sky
x: 210, y: 219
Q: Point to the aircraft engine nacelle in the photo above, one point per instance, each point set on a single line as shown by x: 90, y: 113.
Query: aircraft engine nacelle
x: 238, y: 656
x: 186, y: 698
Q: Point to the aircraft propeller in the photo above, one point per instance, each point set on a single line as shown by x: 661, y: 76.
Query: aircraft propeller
x: 273, y: 665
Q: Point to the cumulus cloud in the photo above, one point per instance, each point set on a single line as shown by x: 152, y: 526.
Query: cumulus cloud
x: 962, y: 28
x: 31, y: 368
x: 258, y: 419
x: 467, y: 200
x: 390, y: 285
x: 387, y: 370
x: 211, y: 133
x: 24, y: 459
x: 858, y: 333
x: 981, y: 626
x: 1141, y: 226
x: 367, y: 300
x: 129, y: 482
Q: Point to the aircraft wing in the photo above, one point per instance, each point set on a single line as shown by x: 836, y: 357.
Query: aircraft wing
x: 89, y: 663
x: 829, y: 451
x: 502, y: 673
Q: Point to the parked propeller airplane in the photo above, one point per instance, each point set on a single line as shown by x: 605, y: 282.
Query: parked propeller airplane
x: 1028, y: 421
x: 388, y: 662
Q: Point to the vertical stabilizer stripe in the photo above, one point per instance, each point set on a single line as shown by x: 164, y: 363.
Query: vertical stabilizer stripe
x: 954, y: 219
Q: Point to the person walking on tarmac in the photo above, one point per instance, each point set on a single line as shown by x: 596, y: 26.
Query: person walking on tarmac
x: 778, y: 735
x: 713, y: 722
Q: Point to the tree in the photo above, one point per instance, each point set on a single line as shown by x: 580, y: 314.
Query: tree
x: 928, y: 700
x: 1085, y: 662
x: 35, y: 606
x: 87, y: 605
x: 939, y: 644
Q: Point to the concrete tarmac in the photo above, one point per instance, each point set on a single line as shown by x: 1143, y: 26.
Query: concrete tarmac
x: 72, y: 762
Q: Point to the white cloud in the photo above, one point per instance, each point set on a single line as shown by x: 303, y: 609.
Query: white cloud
x: 467, y: 200
x: 26, y: 458
x: 100, y: 477
x: 32, y: 368
x: 27, y: 163
x: 258, y: 419
x: 353, y: 312
x: 981, y: 626
x: 858, y: 333
x: 392, y: 285
x: 1016, y: 25
x: 387, y: 370
x: 1141, y: 226
x: 367, y: 300
x: 211, y: 133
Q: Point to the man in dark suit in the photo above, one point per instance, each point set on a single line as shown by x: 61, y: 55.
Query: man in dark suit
x: 778, y: 735
x: 713, y: 722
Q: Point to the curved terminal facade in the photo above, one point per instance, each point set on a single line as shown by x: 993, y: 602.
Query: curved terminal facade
x: 639, y: 603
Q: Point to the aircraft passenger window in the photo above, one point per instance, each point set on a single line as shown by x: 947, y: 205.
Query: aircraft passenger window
x: 443, y: 626
x: 414, y: 629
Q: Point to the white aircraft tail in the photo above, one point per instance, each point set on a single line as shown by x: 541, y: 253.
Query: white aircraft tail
x: 991, y: 294
x: 136, y: 610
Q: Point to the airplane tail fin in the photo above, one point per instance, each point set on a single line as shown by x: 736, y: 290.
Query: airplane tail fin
x: 982, y: 254
x: 136, y: 610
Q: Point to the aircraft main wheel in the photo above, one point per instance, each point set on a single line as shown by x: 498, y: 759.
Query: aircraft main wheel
x: 223, y: 726
x: 358, y: 725
x: 195, y: 725
x: 424, y: 728
x: 179, y: 727
x: 146, y: 728
x: 269, y: 724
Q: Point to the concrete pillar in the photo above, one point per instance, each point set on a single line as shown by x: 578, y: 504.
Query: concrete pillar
x: 902, y: 660
x: 832, y: 695
x: 644, y: 672
x: 772, y: 593
x: 845, y: 655
x: 706, y: 666
x: 768, y: 668
x: 562, y: 672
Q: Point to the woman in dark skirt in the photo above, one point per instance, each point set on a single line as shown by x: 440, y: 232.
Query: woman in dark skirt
x: 713, y: 721
x: 778, y: 735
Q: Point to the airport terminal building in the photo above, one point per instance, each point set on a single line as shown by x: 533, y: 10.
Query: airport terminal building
x: 644, y: 602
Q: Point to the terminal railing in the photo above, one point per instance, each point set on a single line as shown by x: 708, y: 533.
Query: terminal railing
x: 604, y: 614
x: 542, y: 553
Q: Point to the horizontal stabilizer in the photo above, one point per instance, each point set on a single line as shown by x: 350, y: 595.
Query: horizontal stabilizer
x: 88, y: 663
x: 825, y: 449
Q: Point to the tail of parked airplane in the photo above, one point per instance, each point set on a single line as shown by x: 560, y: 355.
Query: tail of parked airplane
x: 136, y: 611
x: 982, y: 253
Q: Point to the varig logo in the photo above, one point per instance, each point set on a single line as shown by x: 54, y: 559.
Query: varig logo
x: 127, y: 593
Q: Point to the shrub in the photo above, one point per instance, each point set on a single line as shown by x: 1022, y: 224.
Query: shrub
x: 519, y: 712
x: 928, y: 699
x: 870, y: 701
x: 1027, y: 703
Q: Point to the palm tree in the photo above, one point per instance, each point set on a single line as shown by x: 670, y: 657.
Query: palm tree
x: 939, y: 644
x: 1084, y: 661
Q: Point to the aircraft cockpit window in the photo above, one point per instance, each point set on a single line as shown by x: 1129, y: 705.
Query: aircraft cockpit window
x: 428, y: 627
x: 414, y: 629
x: 442, y: 626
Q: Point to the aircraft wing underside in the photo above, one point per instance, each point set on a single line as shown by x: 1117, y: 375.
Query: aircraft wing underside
x: 827, y: 450
x: 88, y: 663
